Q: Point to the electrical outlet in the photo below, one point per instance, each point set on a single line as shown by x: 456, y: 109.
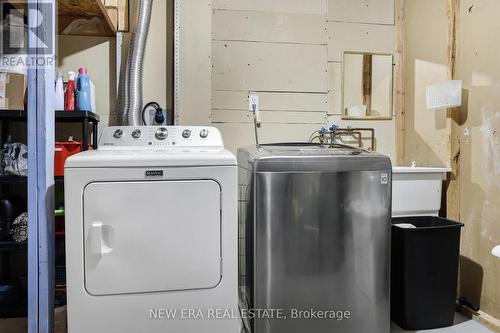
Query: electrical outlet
x: 253, y: 101
x: 151, y: 117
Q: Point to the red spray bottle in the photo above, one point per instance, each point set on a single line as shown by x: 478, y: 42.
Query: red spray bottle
x: 69, y: 96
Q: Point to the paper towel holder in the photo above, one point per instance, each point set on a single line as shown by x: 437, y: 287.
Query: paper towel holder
x: 444, y: 95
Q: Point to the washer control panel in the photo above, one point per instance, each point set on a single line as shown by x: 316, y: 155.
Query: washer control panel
x: 156, y: 137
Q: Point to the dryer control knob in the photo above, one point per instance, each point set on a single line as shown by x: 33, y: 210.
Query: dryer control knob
x: 136, y: 134
x: 186, y: 134
x: 118, y: 134
x: 204, y: 133
x: 161, y: 133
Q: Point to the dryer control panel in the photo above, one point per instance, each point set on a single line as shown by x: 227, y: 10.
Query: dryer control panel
x: 155, y: 137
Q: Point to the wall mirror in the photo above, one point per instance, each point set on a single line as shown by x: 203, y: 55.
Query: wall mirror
x: 367, y: 85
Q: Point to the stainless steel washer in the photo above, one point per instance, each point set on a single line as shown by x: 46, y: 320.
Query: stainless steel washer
x: 317, y: 238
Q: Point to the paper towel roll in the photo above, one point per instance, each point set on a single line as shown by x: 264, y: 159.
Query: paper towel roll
x: 357, y: 111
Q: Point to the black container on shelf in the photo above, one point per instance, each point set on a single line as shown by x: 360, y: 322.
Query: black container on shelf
x: 424, y: 272
x: 10, y: 208
x: 9, y: 294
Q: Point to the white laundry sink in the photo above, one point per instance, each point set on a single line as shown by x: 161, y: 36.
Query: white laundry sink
x: 416, y: 191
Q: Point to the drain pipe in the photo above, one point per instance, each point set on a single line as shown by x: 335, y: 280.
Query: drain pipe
x: 130, y: 97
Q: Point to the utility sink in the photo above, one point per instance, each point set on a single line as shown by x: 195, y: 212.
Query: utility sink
x: 416, y: 191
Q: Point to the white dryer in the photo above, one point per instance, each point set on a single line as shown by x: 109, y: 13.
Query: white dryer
x: 151, y: 233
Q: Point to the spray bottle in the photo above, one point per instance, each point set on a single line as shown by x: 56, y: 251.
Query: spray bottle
x: 59, y: 101
x: 69, y: 98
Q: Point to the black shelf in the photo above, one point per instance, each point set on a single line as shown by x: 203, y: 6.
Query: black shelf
x: 24, y: 180
x: 19, y: 115
x: 12, y: 245
x: 76, y: 116
x: 61, y: 116
x: 11, y: 249
x: 13, y: 179
x: 18, y: 310
x: 84, y: 117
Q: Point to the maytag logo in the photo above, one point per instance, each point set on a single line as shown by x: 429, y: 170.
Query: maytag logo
x: 154, y: 173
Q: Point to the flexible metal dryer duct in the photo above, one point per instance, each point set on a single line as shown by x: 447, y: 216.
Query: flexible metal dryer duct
x: 130, y: 97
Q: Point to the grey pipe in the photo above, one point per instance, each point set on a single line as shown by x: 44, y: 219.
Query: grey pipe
x: 130, y: 98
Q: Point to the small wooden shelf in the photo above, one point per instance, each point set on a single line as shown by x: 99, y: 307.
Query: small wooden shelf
x: 112, y: 13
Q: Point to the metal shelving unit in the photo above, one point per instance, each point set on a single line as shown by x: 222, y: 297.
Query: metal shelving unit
x: 87, y: 120
x: 12, y: 245
x: 13, y: 180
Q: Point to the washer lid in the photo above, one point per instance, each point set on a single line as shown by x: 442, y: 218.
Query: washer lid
x: 307, y: 157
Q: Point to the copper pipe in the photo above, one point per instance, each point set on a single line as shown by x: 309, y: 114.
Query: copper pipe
x: 361, y: 129
x: 356, y: 135
x: 356, y: 132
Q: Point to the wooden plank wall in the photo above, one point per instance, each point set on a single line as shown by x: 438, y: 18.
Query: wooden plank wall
x: 289, y: 53
x: 195, y: 59
x: 367, y: 26
x: 276, y: 49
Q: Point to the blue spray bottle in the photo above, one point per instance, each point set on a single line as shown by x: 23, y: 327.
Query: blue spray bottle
x: 83, y: 91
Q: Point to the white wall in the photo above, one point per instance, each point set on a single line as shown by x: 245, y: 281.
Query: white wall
x: 194, y: 92
x: 157, y: 82
x: 97, y: 54
x: 426, y: 62
x: 289, y: 53
x: 158, y: 61
x: 480, y: 153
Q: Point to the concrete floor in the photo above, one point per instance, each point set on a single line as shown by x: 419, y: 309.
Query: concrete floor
x: 462, y: 325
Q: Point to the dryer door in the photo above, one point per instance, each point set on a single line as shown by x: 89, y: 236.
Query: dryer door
x: 157, y: 236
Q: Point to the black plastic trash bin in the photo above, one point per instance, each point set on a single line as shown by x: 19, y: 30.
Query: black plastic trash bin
x: 424, y: 272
